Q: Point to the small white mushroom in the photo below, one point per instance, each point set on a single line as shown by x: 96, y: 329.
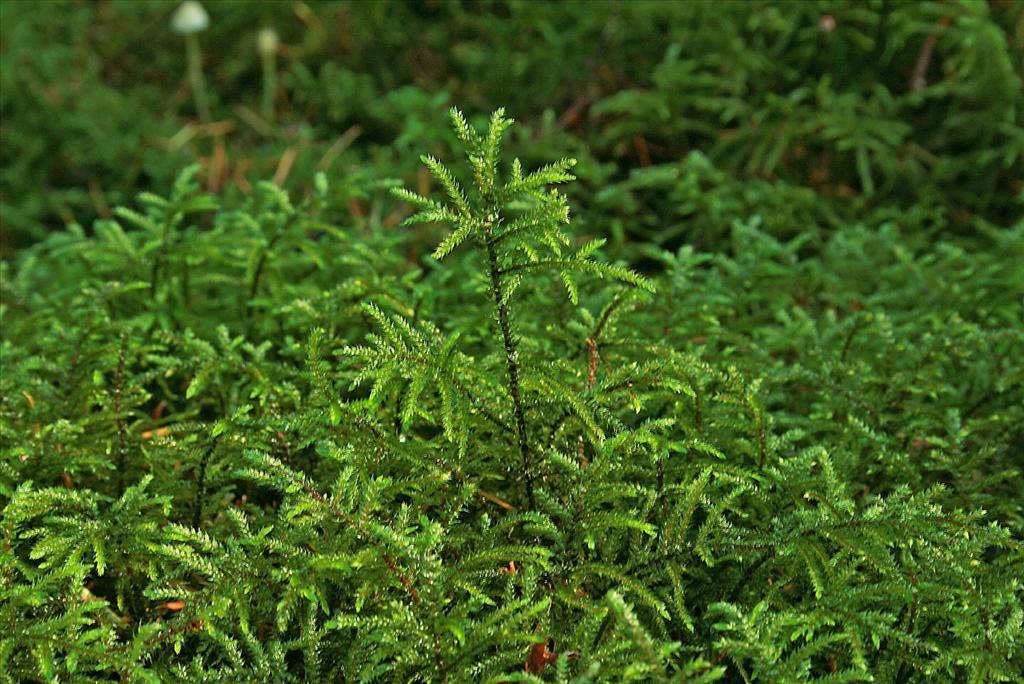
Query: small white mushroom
x: 267, y: 41
x: 190, y: 17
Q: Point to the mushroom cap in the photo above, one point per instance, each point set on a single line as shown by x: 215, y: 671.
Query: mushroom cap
x: 267, y: 41
x: 190, y: 17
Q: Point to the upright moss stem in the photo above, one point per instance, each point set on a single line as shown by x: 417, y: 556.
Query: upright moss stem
x: 512, y: 360
x: 122, y: 434
x: 197, y: 507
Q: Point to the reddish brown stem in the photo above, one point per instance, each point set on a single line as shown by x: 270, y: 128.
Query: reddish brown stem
x: 592, y: 368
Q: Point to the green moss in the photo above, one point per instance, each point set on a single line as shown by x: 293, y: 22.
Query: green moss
x: 328, y: 432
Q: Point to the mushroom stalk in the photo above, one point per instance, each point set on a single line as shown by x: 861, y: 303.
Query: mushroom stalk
x: 267, y: 43
x: 195, y: 75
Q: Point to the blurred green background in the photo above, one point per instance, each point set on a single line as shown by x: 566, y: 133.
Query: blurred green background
x: 685, y: 115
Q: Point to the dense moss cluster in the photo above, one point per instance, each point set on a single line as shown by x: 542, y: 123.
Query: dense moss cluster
x: 711, y: 368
